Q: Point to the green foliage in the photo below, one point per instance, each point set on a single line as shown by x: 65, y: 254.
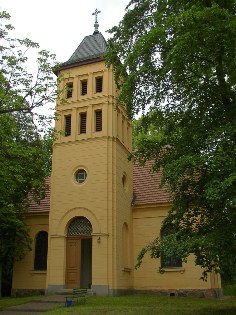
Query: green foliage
x: 22, y: 91
x: 229, y: 289
x: 178, y: 64
x: 25, y: 138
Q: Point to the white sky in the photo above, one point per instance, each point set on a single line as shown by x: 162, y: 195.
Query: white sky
x: 59, y: 26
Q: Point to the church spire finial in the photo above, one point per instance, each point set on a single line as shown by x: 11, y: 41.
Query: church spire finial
x: 96, y: 25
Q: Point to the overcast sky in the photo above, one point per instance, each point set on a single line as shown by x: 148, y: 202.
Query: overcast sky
x: 59, y: 26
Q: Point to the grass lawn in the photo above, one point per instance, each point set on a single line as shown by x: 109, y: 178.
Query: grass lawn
x: 149, y: 305
x: 142, y: 305
x: 10, y: 301
x: 229, y: 289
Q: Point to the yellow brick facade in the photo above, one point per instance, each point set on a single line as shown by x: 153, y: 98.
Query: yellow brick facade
x: 104, y: 199
x: 25, y: 278
x: 147, y: 222
x: 119, y: 230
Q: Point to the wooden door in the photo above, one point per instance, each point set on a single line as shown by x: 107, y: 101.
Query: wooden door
x: 73, y: 262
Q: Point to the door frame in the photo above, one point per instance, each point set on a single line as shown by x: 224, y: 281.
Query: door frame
x: 77, y: 238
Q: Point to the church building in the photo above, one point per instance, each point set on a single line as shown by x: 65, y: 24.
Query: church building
x: 100, y: 210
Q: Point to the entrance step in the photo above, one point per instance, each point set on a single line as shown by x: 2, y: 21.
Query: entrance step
x: 90, y: 292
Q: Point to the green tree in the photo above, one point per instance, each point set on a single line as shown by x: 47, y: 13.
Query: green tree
x: 176, y: 60
x: 25, y: 138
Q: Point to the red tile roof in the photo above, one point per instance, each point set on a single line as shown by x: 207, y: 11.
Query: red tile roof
x: 146, y: 186
x: 44, y: 204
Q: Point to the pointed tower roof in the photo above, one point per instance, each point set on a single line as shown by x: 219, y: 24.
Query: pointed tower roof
x: 91, y: 47
x: 90, y: 50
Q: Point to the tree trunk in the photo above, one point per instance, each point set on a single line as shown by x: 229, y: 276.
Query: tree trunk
x: 0, y: 279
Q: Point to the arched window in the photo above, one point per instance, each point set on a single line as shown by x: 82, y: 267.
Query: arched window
x: 125, y: 244
x: 169, y: 261
x: 41, y: 251
x: 79, y: 226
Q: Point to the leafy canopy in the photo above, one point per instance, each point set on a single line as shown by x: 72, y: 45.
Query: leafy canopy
x: 175, y: 61
x: 25, y: 150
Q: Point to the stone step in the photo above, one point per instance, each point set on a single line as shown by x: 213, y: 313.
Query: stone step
x: 65, y: 292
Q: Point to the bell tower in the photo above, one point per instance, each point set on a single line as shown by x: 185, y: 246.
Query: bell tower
x: 90, y: 223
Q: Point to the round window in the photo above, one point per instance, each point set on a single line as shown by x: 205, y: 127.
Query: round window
x: 80, y: 176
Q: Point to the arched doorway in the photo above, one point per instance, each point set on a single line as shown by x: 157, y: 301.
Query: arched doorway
x: 79, y: 254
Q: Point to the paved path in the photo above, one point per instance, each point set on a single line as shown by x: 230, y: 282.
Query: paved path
x: 36, y: 306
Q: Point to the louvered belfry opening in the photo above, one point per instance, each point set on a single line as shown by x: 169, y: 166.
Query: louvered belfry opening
x: 98, y: 84
x: 67, y: 125
x: 79, y: 226
x: 83, y: 118
x: 98, y: 122
x: 84, y: 85
x: 69, y: 90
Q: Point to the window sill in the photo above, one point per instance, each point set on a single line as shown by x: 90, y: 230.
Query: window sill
x: 172, y: 269
x: 38, y: 272
x: 126, y: 269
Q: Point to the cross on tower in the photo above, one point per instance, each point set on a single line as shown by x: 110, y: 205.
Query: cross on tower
x: 96, y: 25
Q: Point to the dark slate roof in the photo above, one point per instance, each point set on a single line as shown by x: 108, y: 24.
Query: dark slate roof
x: 91, y: 47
